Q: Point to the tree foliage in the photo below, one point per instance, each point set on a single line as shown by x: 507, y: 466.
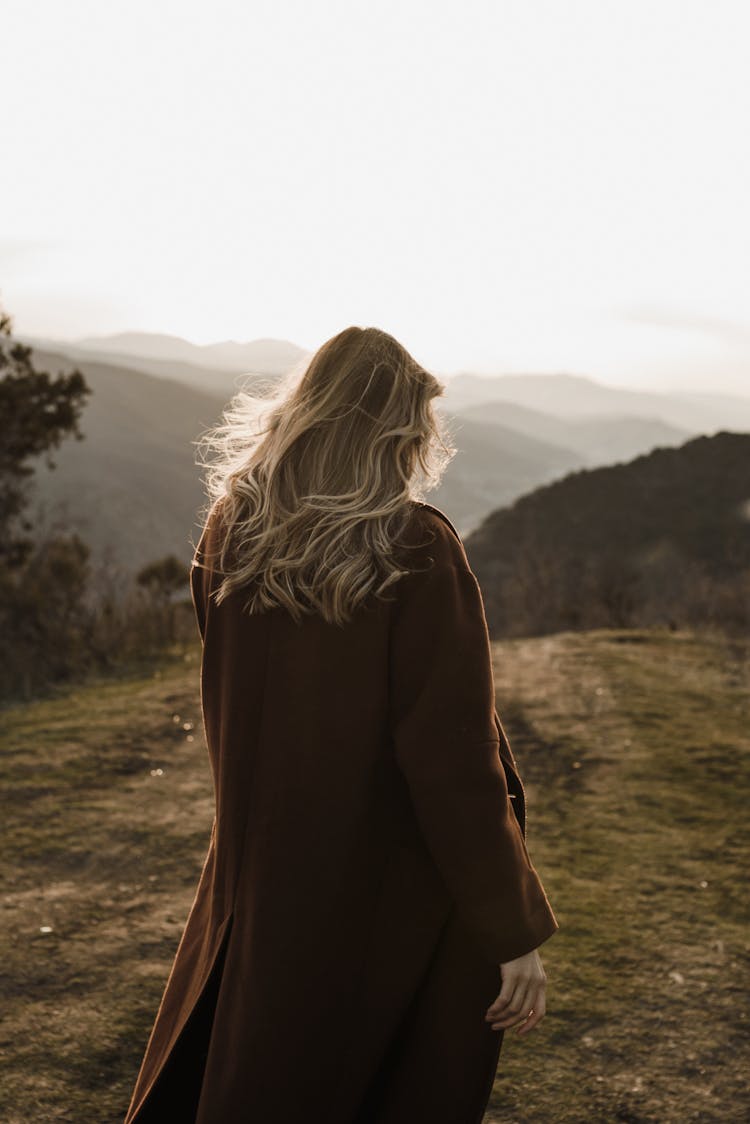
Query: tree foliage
x: 164, y: 577
x: 43, y: 583
x: 38, y: 412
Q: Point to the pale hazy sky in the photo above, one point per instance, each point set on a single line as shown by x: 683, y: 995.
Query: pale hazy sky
x: 505, y: 185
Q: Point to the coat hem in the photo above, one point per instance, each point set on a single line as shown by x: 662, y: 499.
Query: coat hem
x: 135, y: 1110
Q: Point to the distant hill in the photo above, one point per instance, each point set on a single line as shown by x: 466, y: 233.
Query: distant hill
x: 132, y: 484
x: 261, y: 356
x: 596, y: 438
x: 655, y: 540
x: 574, y: 396
x: 218, y: 368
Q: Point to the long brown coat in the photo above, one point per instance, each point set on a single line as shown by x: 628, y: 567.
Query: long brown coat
x: 367, y: 869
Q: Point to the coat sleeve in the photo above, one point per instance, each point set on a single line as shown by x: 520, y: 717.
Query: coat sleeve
x: 446, y: 743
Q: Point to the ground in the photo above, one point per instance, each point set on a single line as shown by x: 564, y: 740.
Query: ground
x: 633, y: 747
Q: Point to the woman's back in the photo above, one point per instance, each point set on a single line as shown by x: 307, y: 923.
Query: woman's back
x: 342, y: 837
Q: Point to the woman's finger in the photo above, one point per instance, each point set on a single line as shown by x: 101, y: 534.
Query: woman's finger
x: 536, y: 1015
x: 512, y: 1007
x: 521, y: 1004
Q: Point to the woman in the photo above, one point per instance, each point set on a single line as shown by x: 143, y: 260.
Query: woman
x: 366, y: 923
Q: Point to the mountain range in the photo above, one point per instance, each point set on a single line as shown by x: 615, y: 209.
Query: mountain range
x: 133, y: 485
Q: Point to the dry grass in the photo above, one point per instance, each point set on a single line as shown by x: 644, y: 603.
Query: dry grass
x: 106, y: 856
x: 634, y: 750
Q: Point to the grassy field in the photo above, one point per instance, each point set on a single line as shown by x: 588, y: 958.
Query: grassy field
x: 634, y: 749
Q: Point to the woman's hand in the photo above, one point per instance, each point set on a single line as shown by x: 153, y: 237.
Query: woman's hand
x: 521, y: 998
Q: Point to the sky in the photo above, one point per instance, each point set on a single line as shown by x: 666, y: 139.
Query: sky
x: 504, y: 185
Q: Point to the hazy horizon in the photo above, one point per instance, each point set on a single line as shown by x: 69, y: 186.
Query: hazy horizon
x: 742, y: 391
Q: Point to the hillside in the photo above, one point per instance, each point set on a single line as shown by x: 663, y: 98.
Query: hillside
x: 634, y: 749
x: 645, y: 533
x: 132, y: 485
x: 597, y: 438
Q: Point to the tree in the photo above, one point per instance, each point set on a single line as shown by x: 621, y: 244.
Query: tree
x: 38, y: 412
x: 42, y: 584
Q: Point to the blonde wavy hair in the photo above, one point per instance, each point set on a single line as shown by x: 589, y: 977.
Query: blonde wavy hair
x: 316, y: 475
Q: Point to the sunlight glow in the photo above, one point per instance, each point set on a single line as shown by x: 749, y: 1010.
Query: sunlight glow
x: 513, y: 185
